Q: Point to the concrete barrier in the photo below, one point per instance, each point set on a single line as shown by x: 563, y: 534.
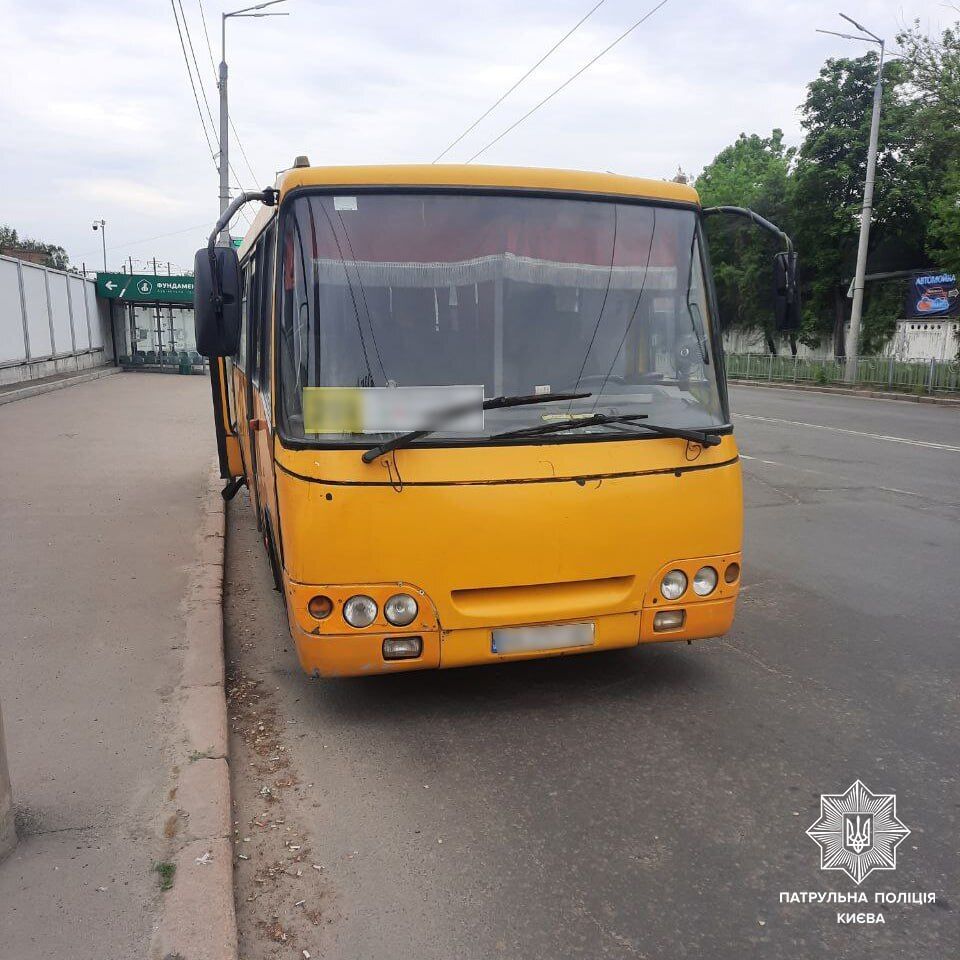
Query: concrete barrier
x: 8, y: 834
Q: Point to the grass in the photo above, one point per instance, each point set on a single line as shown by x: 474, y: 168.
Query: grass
x: 201, y: 755
x: 165, y: 871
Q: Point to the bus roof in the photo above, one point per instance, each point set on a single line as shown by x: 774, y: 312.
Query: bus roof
x: 472, y: 175
x: 477, y: 175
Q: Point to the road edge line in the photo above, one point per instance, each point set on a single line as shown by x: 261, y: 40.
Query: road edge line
x: 198, y: 915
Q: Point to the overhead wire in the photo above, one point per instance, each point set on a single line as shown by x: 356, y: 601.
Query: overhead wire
x: 566, y: 83
x: 243, y: 152
x: 497, y: 103
x: 193, y: 86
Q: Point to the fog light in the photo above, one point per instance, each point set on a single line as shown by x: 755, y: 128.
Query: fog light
x: 668, y: 620
x: 402, y: 648
x: 320, y: 607
x: 400, y: 609
x: 673, y: 584
x: 732, y: 573
x: 705, y: 581
x: 360, y: 611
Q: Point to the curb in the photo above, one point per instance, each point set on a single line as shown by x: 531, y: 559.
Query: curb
x: 34, y: 390
x: 847, y: 392
x: 198, y: 918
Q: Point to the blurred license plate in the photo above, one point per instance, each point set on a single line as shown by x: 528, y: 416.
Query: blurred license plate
x: 554, y: 637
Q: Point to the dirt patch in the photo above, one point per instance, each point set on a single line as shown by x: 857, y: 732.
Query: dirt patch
x: 282, y: 894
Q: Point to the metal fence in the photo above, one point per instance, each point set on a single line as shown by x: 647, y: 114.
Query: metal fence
x: 885, y: 373
x: 50, y: 321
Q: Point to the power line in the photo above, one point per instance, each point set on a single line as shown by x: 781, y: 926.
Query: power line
x: 487, y: 113
x: 206, y: 34
x: 159, y: 236
x: 243, y: 152
x: 193, y: 86
x: 196, y: 66
x: 566, y: 83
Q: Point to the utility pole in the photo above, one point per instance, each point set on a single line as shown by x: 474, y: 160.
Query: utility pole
x: 224, y: 158
x: 101, y: 225
x: 866, y: 214
x: 8, y: 832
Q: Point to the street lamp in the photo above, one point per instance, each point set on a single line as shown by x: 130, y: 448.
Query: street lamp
x: 866, y: 214
x: 224, y: 239
x: 101, y: 225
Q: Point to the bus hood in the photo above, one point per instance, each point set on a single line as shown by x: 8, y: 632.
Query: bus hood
x: 517, y: 534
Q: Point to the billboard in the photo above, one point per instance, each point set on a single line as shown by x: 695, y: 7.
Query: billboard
x: 933, y: 295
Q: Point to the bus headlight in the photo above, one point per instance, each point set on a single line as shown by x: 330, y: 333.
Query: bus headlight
x: 360, y: 611
x: 320, y: 607
x: 673, y: 584
x: 704, y: 581
x: 400, y: 609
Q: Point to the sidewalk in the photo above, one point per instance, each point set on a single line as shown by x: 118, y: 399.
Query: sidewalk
x: 103, y: 490
x: 23, y: 389
x: 862, y: 392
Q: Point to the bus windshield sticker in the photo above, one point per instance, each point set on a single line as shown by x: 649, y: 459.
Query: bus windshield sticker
x: 344, y: 203
x: 452, y: 408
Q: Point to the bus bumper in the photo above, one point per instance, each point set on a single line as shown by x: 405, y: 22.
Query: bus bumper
x: 359, y: 654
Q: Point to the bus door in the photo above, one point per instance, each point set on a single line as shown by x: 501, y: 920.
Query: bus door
x: 244, y: 363
x: 224, y: 418
x: 261, y: 413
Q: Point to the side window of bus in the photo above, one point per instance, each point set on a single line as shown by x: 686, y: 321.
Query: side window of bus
x: 266, y: 297
x: 253, y: 316
x: 241, y: 357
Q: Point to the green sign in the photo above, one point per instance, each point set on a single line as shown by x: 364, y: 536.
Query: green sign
x: 145, y: 288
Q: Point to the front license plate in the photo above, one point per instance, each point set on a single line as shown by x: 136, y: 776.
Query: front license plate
x: 553, y: 637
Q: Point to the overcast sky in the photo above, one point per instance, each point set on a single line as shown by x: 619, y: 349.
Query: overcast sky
x: 98, y: 118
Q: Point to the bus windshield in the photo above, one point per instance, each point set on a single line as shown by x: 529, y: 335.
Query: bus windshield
x: 520, y: 294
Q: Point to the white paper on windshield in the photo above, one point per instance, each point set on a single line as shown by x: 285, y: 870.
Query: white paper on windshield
x: 344, y: 203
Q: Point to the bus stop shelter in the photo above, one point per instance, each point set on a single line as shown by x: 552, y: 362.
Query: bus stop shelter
x: 152, y: 317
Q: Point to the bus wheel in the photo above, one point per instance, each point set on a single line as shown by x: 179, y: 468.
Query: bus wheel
x: 268, y: 542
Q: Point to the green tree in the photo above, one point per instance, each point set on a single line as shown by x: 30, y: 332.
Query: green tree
x: 933, y: 86
x: 754, y: 172
x: 51, y: 254
x: 829, y: 179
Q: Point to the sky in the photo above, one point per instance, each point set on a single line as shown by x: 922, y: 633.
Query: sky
x: 98, y: 119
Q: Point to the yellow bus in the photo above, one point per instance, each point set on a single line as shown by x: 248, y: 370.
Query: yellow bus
x: 481, y: 412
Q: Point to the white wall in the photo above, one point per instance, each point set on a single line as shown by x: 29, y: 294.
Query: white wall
x: 925, y: 339
x: 50, y: 322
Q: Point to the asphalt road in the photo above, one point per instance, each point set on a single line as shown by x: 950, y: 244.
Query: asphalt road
x: 650, y: 802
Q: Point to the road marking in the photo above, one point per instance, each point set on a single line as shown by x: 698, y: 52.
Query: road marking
x: 835, y: 476
x: 854, y: 433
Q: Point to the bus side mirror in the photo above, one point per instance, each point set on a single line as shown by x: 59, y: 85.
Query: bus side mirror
x: 786, y: 292
x: 216, y: 302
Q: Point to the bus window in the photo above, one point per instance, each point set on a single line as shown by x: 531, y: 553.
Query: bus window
x: 253, y: 316
x: 266, y: 299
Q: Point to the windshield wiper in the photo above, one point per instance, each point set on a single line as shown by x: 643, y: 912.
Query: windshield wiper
x: 628, y: 419
x: 494, y: 403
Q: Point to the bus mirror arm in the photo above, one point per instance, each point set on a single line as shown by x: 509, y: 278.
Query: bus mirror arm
x: 216, y: 290
x: 787, y: 287
x: 268, y: 197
